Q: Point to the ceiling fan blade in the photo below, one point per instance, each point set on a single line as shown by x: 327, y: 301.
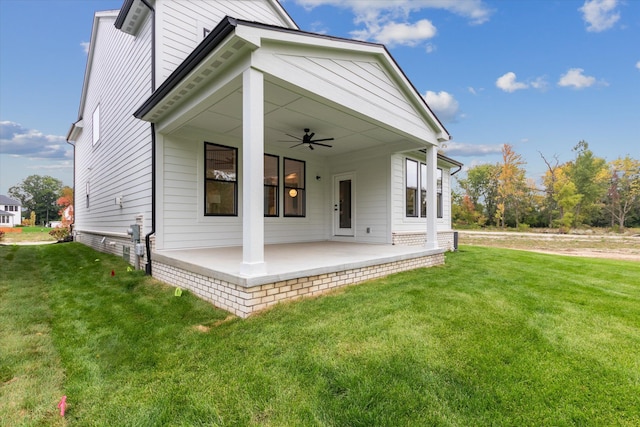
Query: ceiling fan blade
x: 294, y: 146
x: 294, y: 137
x: 318, y: 143
x: 311, y: 136
x: 323, y: 139
x: 311, y: 147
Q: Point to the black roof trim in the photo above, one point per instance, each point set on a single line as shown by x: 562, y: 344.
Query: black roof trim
x: 449, y: 160
x: 213, y: 40
x: 124, y: 11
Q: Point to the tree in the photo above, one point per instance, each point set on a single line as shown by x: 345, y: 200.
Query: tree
x: 567, y: 198
x: 65, y: 201
x: 549, y: 180
x: 590, y: 175
x: 624, y: 189
x: 38, y: 194
x: 512, y: 186
x: 481, y: 186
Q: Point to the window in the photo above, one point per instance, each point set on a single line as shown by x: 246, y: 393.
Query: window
x: 221, y: 182
x: 271, y: 174
x: 439, y: 193
x: 96, y: 125
x: 412, y: 188
x: 294, y: 188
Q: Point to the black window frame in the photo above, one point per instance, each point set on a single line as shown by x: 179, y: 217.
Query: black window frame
x: 235, y: 181
x: 275, y: 188
x: 300, y: 191
x: 413, y: 191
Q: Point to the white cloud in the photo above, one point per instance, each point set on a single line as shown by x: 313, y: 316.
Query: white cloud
x: 508, y: 83
x: 576, y: 79
x: 465, y: 149
x: 394, y: 33
x: 540, y: 83
x: 638, y: 65
x: 600, y: 15
x: 443, y: 104
x: 18, y: 141
x: 85, y: 46
x: 430, y: 48
x: 388, y: 21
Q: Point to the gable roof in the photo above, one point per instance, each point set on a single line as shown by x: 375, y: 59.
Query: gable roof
x: 4, y: 200
x: 249, y: 36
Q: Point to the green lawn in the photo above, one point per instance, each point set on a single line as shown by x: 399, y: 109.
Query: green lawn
x: 495, y: 337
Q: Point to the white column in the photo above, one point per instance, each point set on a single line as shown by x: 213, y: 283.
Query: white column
x: 432, y: 207
x: 252, y: 173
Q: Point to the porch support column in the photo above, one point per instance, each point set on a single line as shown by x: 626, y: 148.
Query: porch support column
x: 252, y: 173
x: 432, y: 207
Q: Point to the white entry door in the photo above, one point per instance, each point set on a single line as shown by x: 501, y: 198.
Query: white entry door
x: 343, y: 205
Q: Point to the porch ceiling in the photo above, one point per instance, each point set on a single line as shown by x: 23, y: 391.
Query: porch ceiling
x: 289, y: 110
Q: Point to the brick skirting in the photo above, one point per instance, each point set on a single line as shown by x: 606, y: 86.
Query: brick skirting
x: 244, y: 301
x: 445, y: 239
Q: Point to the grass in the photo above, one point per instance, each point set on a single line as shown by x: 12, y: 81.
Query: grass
x: 495, y: 337
x: 28, y: 234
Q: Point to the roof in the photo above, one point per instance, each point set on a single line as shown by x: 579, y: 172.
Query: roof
x: 227, y: 27
x: 4, y: 200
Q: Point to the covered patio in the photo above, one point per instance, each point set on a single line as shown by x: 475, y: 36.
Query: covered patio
x: 293, y: 270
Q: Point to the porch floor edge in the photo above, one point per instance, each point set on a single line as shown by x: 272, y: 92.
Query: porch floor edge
x: 289, y: 261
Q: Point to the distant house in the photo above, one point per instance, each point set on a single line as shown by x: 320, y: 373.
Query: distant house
x: 232, y: 154
x: 10, y: 212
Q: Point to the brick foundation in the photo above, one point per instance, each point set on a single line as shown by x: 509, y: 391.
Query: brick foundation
x: 244, y: 301
x: 445, y: 239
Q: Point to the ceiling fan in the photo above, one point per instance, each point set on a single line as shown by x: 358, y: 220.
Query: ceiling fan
x: 307, y: 139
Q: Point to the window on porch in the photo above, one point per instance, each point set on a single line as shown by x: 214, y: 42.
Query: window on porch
x: 413, y: 175
x: 294, y: 188
x: 221, y: 180
x: 271, y: 174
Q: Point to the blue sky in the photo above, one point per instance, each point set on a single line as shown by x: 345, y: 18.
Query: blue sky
x: 540, y: 75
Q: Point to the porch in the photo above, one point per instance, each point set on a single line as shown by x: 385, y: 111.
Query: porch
x: 292, y: 270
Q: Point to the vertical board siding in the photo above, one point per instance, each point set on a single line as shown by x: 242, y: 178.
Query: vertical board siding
x: 179, y: 22
x: 120, y: 163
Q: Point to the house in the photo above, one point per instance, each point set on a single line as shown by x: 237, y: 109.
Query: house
x: 10, y: 212
x: 233, y: 154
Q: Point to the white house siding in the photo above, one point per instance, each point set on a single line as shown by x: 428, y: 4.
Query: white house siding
x: 372, y: 204
x: 412, y: 227
x: 183, y: 223
x: 180, y: 25
x: 119, y: 165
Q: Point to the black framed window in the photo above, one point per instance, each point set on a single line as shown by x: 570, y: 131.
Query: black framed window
x: 271, y: 183
x: 411, y: 188
x: 439, y: 193
x: 221, y: 180
x: 294, y: 188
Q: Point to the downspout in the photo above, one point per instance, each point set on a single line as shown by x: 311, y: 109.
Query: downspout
x: 147, y: 237
x: 459, y: 169
x: 73, y: 222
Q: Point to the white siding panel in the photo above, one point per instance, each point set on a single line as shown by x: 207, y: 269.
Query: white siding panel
x: 120, y: 163
x: 179, y: 23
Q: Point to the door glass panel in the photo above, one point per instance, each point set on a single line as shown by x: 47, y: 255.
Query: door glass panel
x: 345, y: 204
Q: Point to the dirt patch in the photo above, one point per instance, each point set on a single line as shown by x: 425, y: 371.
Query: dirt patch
x: 626, y: 248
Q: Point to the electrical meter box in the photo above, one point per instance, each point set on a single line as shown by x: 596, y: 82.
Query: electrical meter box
x: 134, y: 232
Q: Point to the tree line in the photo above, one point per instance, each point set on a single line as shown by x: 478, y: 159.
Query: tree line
x: 43, y: 199
x: 585, y: 191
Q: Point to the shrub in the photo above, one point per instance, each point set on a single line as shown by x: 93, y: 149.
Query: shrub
x: 1, y: 235
x: 61, y: 234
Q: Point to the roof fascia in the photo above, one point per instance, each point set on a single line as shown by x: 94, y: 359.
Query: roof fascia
x: 282, y: 12
x: 449, y: 160
x: 126, y: 13
x: 88, y: 67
